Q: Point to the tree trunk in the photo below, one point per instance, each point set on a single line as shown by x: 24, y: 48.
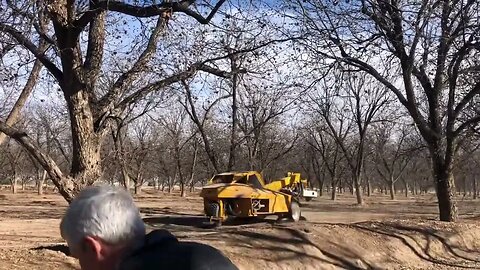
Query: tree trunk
x: 233, y: 135
x: 392, y: 189
x: 334, y: 191
x: 358, y: 191
x: 474, y: 183
x: 445, y: 189
x: 138, y: 189
x: 41, y: 182
x: 369, y: 187
x: 192, y: 187
x: 183, y: 192
x: 126, y: 178
x: 22, y: 99
x: 14, y: 184
x: 86, y: 161
x: 191, y: 182
x: 171, y: 183
x: 406, y: 188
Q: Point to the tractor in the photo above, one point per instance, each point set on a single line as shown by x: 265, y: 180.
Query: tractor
x: 245, y: 194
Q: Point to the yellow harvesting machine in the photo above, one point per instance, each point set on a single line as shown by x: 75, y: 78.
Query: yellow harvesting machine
x: 245, y: 194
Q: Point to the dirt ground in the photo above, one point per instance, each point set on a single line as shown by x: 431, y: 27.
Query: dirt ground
x: 383, y: 234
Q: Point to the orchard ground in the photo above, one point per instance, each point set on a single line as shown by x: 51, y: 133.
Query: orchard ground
x: 383, y: 234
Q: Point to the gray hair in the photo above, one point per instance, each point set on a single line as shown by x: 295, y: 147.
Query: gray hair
x: 106, y: 212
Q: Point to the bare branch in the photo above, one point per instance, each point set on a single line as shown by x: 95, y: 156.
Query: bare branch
x: 56, y: 72
x: 163, y: 9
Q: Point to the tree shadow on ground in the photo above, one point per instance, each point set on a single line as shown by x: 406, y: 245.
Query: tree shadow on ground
x: 291, y: 244
x: 422, y: 241
x: 58, y: 248
x: 188, y: 221
x: 201, y: 221
x: 161, y: 211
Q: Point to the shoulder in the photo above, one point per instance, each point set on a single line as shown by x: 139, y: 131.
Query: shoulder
x: 163, y: 251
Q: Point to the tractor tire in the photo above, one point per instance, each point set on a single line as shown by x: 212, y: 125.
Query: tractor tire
x: 295, y: 212
x: 212, y: 209
x: 308, y: 199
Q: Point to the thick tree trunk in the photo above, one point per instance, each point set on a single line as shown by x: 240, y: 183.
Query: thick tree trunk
x: 445, y: 189
x: 86, y: 161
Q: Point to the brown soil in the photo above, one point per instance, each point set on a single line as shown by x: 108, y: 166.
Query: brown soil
x: 383, y: 234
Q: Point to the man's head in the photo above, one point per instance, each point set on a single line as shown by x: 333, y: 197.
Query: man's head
x: 100, y: 223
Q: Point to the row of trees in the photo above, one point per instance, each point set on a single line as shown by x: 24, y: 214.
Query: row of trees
x: 360, y: 91
x: 163, y: 148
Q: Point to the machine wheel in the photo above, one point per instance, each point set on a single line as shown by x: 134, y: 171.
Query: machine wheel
x: 308, y: 199
x: 295, y: 212
x: 212, y: 209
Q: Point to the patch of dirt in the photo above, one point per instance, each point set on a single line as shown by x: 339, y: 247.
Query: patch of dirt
x: 383, y: 234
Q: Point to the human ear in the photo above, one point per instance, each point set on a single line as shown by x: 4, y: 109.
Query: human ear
x: 94, y: 246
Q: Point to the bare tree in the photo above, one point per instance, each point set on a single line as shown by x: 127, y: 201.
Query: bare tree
x: 178, y: 134
x: 431, y: 46
x: 14, y: 154
x: 393, y: 152
x: 349, y: 105
x: 76, y: 73
x: 331, y: 155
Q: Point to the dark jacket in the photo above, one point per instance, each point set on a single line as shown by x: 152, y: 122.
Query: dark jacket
x: 162, y: 250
